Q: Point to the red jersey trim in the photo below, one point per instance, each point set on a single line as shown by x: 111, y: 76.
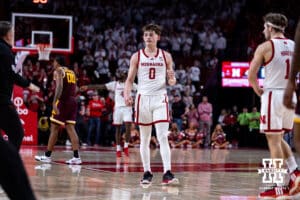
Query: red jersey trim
x: 152, y: 123
x: 163, y: 53
x: 138, y: 109
x: 273, y: 130
x: 167, y: 107
x: 269, y: 110
x: 138, y: 62
x: 273, y: 52
x: 287, y: 129
x: 280, y: 38
x: 148, y: 56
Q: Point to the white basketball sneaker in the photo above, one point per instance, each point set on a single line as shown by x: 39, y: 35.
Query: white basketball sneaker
x: 74, y: 161
x: 43, y: 158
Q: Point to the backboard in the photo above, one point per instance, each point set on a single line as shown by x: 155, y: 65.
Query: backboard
x: 32, y: 29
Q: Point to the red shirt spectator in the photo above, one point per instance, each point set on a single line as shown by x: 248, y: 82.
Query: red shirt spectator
x: 95, y: 107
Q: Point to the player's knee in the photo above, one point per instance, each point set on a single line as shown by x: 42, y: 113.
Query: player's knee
x: 162, y: 138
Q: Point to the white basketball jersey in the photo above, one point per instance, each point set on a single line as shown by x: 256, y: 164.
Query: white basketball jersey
x: 278, y: 68
x: 118, y: 88
x: 152, y: 73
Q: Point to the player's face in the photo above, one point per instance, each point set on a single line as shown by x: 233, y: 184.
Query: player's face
x: 55, y: 63
x: 267, y: 32
x: 123, y: 77
x: 150, y: 38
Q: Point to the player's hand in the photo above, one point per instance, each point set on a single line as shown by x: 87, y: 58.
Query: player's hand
x: 83, y: 88
x: 55, y: 109
x: 259, y: 91
x: 128, y: 101
x: 34, y: 88
x: 171, y: 77
x: 288, y: 96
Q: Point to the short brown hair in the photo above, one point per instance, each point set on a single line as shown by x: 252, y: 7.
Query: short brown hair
x: 277, y: 19
x: 152, y: 27
x: 5, y: 27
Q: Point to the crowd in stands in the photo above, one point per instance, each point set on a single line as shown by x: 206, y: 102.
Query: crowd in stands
x: 107, y: 33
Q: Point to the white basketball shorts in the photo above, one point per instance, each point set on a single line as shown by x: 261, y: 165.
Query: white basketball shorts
x: 151, y: 109
x: 122, y: 114
x: 275, y: 117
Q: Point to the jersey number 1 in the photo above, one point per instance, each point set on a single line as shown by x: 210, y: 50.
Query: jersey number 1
x: 287, y: 72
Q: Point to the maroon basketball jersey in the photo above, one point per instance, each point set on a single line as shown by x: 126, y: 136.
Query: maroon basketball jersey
x: 69, y: 85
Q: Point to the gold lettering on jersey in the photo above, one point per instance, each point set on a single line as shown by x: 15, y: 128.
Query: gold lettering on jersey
x: 71, y: 77
x: 154, y: 64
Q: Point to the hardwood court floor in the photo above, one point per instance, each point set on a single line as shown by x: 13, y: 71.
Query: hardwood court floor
x: 203, y: 174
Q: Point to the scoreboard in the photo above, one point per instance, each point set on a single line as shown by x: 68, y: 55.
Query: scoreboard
x: 235, y: 74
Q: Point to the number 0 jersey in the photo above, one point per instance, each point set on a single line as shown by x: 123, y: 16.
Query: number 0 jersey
x: 278, y: 67
x: 69, y: 85
x: 151, y: 73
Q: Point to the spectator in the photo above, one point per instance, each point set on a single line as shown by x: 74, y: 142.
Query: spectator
x: 205, y: 110
x: 254, y: 122
x: 243, y: 120
x: 178, y: 110
x: 219, y: 138
x: 94, y: 112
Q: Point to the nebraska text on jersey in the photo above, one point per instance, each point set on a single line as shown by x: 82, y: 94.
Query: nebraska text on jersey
x: 158, y: 64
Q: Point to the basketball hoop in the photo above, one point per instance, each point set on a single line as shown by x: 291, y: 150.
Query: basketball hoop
x: 44, y: 51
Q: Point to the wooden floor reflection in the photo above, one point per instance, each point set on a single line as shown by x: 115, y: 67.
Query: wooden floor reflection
x: 203, y: 173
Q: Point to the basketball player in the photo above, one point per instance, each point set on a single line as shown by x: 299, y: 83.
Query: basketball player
x: 152, y: 66
x: 64, y: 110
x: 122, y: 113
x: 275, y: 55
x: 291, y: 87
x: 13, y: 177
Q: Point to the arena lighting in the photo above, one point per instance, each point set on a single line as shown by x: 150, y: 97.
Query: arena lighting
x: 40, y: 1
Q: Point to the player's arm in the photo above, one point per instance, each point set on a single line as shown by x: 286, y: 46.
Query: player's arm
x: 130, y: 79
x: 255, y: 64
x: 170, y: 71
x: 58, y: 77
x: 93, y: 87
x: 295, y: 68
x: 296, y: 57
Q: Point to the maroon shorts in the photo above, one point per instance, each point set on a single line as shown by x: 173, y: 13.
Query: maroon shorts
x: 67, y: 112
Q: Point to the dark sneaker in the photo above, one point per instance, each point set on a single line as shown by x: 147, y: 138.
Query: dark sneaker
x: 169, y: 179
x: 147, y: 178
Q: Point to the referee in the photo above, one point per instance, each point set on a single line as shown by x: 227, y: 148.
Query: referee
x: 13, y: 177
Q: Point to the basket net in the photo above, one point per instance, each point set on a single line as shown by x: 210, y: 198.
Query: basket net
x: 44, y: 51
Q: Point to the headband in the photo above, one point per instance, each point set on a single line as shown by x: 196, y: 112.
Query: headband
x: 275, y: 26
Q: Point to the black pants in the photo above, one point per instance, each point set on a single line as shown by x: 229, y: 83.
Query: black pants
x: 13, y: 177
x: 11, y: 124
